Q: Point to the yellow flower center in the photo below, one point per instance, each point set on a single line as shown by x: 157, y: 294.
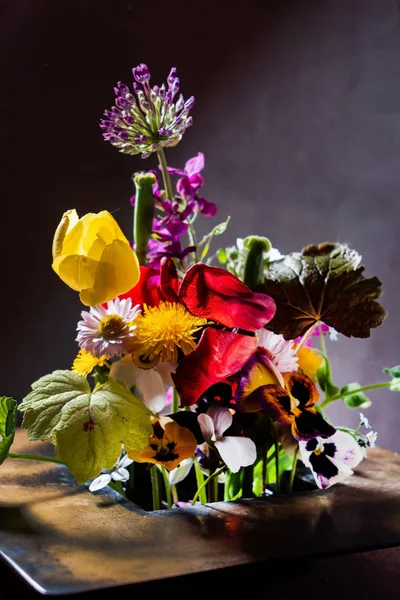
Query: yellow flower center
x: 165, y: 329
x: 111, y: 327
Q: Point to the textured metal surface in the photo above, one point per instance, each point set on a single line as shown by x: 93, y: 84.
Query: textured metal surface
x: 64, y: 539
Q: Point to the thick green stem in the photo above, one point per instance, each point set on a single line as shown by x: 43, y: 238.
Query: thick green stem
x: 155, y: 490
x: 365, y: 388
x: 293, y: 471
x: 175, y: 401
x: 200, y: 482
x: 144, y: 214
x: 36, y: 457
x: 253, y: 275
x: 206, y: 482
x: 167, y: 487
x: 165, y: 174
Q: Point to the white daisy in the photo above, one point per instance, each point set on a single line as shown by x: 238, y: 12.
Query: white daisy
x: 108, y: 331
x: 280, y: 351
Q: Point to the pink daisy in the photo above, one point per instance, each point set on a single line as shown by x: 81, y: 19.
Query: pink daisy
x: 280, y: 351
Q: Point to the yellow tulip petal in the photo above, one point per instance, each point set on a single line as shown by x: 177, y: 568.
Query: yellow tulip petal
x: 77, y: 271
x: 117, y: 272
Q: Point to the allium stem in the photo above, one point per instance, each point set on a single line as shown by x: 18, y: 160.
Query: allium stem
x: 144, y: 214
x: 165, y: 174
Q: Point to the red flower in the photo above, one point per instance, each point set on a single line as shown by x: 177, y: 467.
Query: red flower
x: 155, y: 286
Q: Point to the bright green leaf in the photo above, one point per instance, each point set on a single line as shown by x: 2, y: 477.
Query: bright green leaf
x: 87, y: 427
x: 207, y: 239
x: 393, y: 372
x: 322, y: 283
x: 356, y: 400
x: 8, y: 418
x: 324, y: 379
x: 221, y: 256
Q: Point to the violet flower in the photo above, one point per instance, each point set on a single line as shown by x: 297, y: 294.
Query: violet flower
x: 147, y: 119
x: 191, y: 182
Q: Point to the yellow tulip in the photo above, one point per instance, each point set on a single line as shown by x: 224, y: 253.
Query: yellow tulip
x: 93, y: 257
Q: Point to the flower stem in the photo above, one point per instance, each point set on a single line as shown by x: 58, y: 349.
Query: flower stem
x: 264, y: 471
x: 36, y: 457
x: 247, y: 482
x: 206, y: 482
x: 278, y: 478
x: 165, y: 174
x: 155, y: 488
x: 175, y: 401
x: 175, y: 497
x: 200, y: 481
x: 293, y: 471
x: 167, y: 487
x: 365, y: 388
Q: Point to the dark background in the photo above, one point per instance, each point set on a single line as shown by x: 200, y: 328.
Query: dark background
x: 297, y: 113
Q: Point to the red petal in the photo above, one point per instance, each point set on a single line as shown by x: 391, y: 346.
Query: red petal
x: 169, y: 282
x: 218, y: 355
x: 147, y: 290
x: 216, y: 294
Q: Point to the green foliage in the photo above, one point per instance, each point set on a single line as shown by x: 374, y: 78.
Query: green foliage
x: 285, y: 463
x: 207, y: 239
x: 324, y: 378
x: 394, y: 372
x: 323, y: 283
x: 356, y: 400
x: 8, y: 419
x: 87, y: 427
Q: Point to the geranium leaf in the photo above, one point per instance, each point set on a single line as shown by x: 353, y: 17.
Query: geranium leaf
x: 87, y: 427
x: 8, y: 418
x: 323, y: 283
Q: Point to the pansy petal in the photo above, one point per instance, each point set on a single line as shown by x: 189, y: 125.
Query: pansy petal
x: 218, y: 355
x: 100, y: 482
x: 181, y: 471
x: 120, y: 474
x: 222, y: 417
x: 302, y: 388
x: 236, y: 452
x: 274, y: 399
x: 152, y: 389
x: 216, y: 294
x: 347, y: 449
x: 342, y: 472
x: 310, y: 424
x: 125, y: 370
x: 207, y: 427
x: 255, y: 373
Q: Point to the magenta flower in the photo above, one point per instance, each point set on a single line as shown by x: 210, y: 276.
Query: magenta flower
x: 191, y: 182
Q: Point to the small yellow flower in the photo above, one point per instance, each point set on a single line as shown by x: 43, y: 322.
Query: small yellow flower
x: 93, y: 257
x: 163, y: 330
x: 85, y: 362
x: 309, y: 362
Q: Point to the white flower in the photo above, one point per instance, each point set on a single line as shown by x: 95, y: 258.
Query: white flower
x: 181, y: 471
x: 371, y: 438
x: 235, y: 451
x: 108, y: 331
x: 364, y: 421
x: 331, y: 460
x: 280, y: 352
x: 117, y: 473
x: 151, y: 384
x: 333, y: 334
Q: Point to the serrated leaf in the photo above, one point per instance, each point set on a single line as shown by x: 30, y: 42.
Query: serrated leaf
x: 8, y: 419
x: 207, y: 239
x: 393, y: 372
x: 356, y: 400
x: 323, y: 283
x: 87, y: 427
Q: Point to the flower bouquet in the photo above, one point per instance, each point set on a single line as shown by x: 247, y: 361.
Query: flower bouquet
x: 201, y: 375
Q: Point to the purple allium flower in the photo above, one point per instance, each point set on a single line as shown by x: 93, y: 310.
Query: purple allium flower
x: 149, y: 119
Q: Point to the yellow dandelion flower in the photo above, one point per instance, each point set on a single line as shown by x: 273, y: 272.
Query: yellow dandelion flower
x: 309, y: 362
x: 163, y: 330
x: 85, y: 362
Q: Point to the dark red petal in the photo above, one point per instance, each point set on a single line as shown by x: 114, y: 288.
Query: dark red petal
x: 216, y: 294
x: 218, y: 355
x: 147, y: 290
x: 169, y: 282
x: 310, y: 424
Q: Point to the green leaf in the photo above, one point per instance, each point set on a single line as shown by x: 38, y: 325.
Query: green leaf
x: 221, y: 256
x: 393, y: 372
x: 356, y: 400
x: 8, y: 419
x: 324, y: 378
x: 323, y: 283
x: 87, y: 427
x: 207, y: 239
